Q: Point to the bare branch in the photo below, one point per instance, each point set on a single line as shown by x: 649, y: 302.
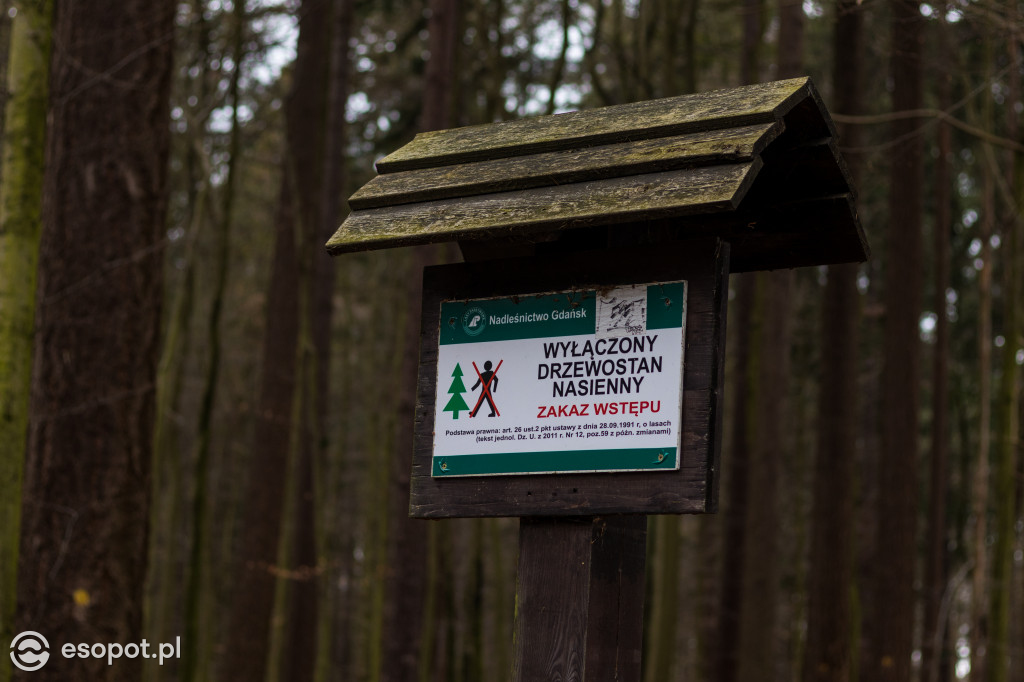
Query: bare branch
x: 937, y: 114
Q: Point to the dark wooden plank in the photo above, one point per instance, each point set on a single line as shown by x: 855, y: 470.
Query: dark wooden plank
x: 820, y: 231
x: 552, y: 597
x: 529, y: 214
x: 806, y: 171
x: 717, y: 147
x: 616, y: 611
x: 579, y: 599
x: 704, y: 263
x: 748, y: 105
x: 716, y: 395
x: 805, y: 232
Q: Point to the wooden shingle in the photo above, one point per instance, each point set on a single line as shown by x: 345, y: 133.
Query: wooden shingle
x: 756, y: 165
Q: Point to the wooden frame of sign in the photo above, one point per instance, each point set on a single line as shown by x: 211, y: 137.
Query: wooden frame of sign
x: 690, y: 488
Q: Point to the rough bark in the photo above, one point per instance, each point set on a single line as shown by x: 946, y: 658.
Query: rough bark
x: 790, y: 59
x: 934, y: 627
x: 663, y: 595
x: 163, y: 615
x: 735, y: 513
x: 5, y: 58
x: 20, y: 199
x: 199, y: 537
x: 893, y: 591
x: 830, y: 623
x: 87, y: 483
x: 559, y: 70
x: 772, y: 326
x: 407, y: 538
x: 771, y: 329
x: 275, y: 449
x: 726, y: 658
x: 440, y: 76
x: 332, y: 649
x: 1007, y: 422
x: 980, y: 482
x: 753, y: 29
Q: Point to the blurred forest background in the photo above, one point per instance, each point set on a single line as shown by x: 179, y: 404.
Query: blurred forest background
x: 205, y: 423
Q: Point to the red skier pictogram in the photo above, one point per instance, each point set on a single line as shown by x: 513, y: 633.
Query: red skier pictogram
x: 488, y: 382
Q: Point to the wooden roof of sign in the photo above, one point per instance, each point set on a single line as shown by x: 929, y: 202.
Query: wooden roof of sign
x: 756, y: 165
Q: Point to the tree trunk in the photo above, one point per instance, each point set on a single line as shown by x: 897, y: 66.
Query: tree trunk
x: 407, y: 538
x: 726, y: 662
x: 408, y: 548
x: 771, y: 328
x: 333, y: 646
x: 830, y: 623
x: 194, y: 635
x: 662, y: 614
x: 440, y: 75
x: 726, y: 659
x: 559, y: 71
x: 163, y: 615
x: 934, y: 627
x: 21, y: 192
x: 1007, y: 421
x: 892, y: 639
x: 753, y: 29
x: 1005, y: 466
x: 87, y: 484
x: 791, y: 39
x: 5, y: 59
x: 980, y: 485
x: 276, y: 458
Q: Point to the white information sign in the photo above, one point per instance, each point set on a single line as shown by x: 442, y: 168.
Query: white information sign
x: 562, y: 382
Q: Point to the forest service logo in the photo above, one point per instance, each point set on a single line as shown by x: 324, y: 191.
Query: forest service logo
x: 474, y: 321
x: 30, y: 651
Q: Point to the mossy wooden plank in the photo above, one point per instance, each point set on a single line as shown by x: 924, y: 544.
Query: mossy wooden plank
x: 682, y: 167
x: 760, y: 103
x: 727, y: 146
x: 535, y: 211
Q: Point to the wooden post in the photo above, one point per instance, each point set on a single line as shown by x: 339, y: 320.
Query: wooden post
x: 579, y: 598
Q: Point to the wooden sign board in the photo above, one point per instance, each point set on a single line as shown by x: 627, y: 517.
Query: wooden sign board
x: 577, y: 381
x: 603, y: 374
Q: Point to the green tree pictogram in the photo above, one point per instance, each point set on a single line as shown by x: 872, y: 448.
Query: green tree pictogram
x: 457, y: 403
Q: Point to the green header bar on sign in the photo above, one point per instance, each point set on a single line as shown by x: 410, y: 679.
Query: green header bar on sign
x: 520, y: 317
x: 565, y: 461
x: 665, y: 304
x: 544, y: 315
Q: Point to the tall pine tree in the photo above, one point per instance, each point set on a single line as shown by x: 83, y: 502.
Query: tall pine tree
x: 87, y: 474
x: 20, y: 200
x: 893, y: 626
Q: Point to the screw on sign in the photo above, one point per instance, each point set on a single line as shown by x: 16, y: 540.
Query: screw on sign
x: 487, y: 381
